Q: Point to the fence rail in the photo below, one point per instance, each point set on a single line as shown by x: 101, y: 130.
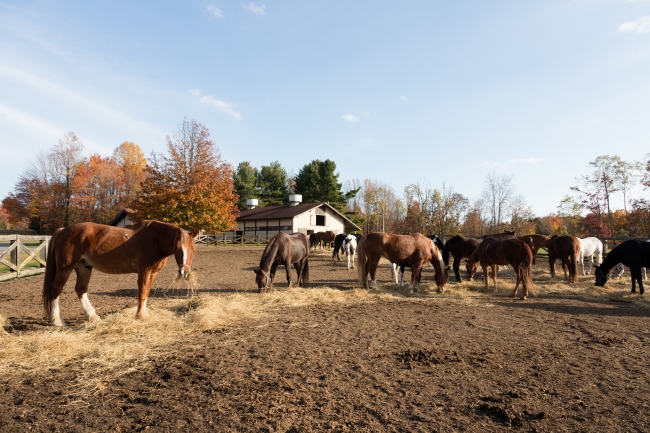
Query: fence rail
x: 229, y: 239
x: 23, y: 254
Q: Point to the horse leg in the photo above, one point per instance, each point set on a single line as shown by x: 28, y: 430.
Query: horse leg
x: 633, y: 273
x: 640, y: 282
x: 84, y: 271
x: 485, y: 277
x: 415, y: 272
x: 591, y: 264
x: 372, y: 270
x: 494, y: 275
x: 59, y: 281
x: 564, y: 268
x: 146, y: 278
x: 456, y: 267
x: 551, y: 264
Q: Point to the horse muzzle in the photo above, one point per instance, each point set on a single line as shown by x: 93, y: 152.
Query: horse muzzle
x: 184, y: 271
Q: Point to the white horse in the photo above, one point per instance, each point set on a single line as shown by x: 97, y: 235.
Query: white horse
x: 618, y: 270
x: 350, y: 248
x: 589, y: 247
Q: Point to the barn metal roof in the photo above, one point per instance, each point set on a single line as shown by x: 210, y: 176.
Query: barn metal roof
x: 287, y: 211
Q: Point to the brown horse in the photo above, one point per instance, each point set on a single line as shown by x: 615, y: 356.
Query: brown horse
x: 535, y: 242
x: 492, y: 252
x: 321, y: 239
x: 283, y: 249
x: 566, y: 248
x: 414, y: 250
x: 501, y: 236
x: 142, y: 249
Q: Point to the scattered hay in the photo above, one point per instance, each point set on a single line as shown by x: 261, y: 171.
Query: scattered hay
x: 120, y: 343
x: 4, y: 323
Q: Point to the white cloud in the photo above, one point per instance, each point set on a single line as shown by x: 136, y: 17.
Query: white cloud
x: 642, y: 25
x: 195, y: 92
x: 350, y: 118
x: 30, y: 122
x: 531, y: 160
x: 404, y: 98
x: 76, y: 99
x: 221, y: 105
x: 260, y: 10
x: 215, y: 11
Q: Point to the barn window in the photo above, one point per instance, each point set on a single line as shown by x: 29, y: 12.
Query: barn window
x: 320, y: 220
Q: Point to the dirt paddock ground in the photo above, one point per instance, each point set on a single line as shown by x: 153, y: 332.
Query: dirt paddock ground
x: 330, y: 357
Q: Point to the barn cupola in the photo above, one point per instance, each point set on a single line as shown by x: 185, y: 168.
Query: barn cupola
x: 251, y: 203
x: 295, y: 199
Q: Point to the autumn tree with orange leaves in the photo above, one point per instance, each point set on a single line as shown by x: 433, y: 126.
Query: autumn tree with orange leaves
x: 191, y: 186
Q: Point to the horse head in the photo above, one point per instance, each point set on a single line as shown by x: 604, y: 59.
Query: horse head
x: 262, y: 279
x: 441, y: 278
x: 601, y: 277
x: 471, y: 269
x: 184, y: 251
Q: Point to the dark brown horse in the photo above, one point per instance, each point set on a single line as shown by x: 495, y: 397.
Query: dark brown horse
x: 284, y: 249
x: 414, y: 249
x: 492, y: 252
x: 535, y: 242
x: 321, y: 239
x: 567, y: 249
x: 462, y: 247
x: 459, y: 247
x: 500, y: 236
x: 142, y: 249
x: 632, y: 253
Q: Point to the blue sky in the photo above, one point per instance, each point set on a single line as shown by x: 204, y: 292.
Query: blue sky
x: 399, y: 92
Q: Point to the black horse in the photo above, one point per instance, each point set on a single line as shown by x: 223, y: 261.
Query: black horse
x: 436, y: 240
x: 338, y: 243
x: 634, y: 254
x: 459, y: 247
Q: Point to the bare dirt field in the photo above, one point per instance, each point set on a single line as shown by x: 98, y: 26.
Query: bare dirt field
x: 331, y: 357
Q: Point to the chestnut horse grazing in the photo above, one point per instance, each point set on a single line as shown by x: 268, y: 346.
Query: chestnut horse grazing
x: 284, y: 249
x: 414, y: 249
x: 459, y: 247
x: 634, y: 254
x: 535, y: 242
x: 142, y: 249
x: 492, y: 252
x: 566, y: 248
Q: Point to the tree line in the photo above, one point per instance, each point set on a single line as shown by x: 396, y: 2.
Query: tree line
x: 192, y: 186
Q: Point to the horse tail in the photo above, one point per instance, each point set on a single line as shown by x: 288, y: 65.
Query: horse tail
x: 361, y: 262
x: 50, y: 273
x: 305, y: 273
x: 573, y: 262
x: 525, y: 270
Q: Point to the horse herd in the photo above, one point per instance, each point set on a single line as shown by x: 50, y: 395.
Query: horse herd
x: 145, y: 248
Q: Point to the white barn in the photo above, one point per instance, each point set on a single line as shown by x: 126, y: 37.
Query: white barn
x: 306, y: 218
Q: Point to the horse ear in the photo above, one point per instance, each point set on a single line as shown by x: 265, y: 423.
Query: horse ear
x: 256, y: 270
x: 194, y: 233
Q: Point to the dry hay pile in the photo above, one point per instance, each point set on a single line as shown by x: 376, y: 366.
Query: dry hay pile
x: 120, y: 344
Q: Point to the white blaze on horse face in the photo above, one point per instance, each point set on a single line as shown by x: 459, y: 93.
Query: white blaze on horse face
x: 181, y: 268
x: 55, y: 313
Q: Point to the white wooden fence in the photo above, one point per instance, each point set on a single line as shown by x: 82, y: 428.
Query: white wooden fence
x: 23, y: 254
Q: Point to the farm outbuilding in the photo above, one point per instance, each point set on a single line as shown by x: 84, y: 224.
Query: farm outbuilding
x: 307, y: 218
x: 123, y: 219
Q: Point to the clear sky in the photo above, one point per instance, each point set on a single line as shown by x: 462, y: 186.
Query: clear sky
x: 399, y: 92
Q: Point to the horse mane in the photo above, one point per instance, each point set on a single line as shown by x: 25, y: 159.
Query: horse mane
x: 269, y: 253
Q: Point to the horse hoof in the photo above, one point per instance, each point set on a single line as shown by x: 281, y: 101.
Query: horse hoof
x: 523, y: 298
x: 57, y: 322
x: 94, y: 318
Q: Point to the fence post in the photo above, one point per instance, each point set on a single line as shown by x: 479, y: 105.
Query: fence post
x: 14, y: 254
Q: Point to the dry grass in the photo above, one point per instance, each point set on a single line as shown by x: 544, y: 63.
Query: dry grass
x: 120, y: 343
x: 4, y: 323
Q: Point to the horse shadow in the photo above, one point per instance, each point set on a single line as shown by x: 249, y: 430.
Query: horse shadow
x: 621, y: 309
